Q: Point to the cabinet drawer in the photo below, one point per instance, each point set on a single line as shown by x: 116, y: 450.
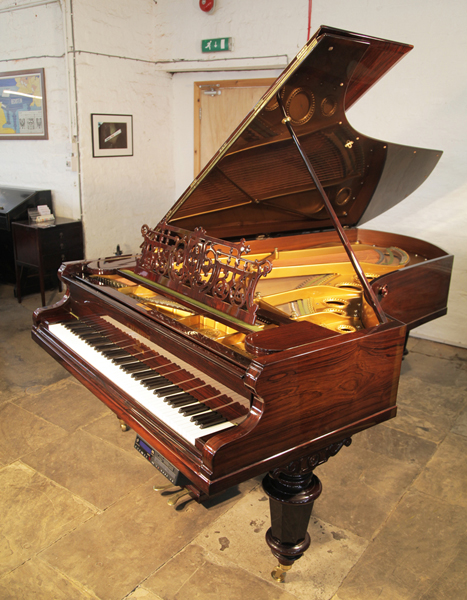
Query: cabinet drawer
x: 51, y: 238
x: 53, y: 260
x: 56, y: 239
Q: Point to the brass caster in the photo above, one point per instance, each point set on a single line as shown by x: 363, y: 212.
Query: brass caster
x: 280, y: 572
x: 172, y: 501
x: 124, y: 426
x: 161, y: 488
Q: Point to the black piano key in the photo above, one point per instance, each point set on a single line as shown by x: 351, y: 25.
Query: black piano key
x: 194, y: 409
x: 107, y: 347
x: 125, y: 360
x: 134, y: 367
x: 181, y: 400
x: 205, y: 417
x: 81, y: 331
x: 167, y: 391
x: 139, y: 375
x: 164, y: 389
x: 105, y: 344
x: 149, y: 381
x: 158, y: 384
x: 178, y: 396
x: 72, y: 325
x: 104, y: 341
x: 112, y: 352
x: 85, y: 328
x: 145, y: 376
x: 204, y: 421
x: 91, y: 335
x: 211, y: 423
x: 78, y: 330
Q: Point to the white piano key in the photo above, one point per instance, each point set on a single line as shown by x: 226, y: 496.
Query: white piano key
x: 180, y: 363
x: 154, y: 404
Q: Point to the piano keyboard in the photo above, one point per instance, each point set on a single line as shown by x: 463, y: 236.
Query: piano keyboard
x: 170, y: 389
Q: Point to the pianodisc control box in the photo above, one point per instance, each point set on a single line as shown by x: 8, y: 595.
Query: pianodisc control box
x: 162, y: 464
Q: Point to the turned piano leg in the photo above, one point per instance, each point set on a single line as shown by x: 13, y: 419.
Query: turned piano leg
x: 292, y: 491
x: 291, y: 500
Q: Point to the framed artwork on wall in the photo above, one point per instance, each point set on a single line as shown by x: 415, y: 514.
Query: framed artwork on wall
x: 112, y: 135
x: 23, y: 106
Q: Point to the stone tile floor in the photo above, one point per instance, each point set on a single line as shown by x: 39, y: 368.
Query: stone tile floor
x: 79, y: 518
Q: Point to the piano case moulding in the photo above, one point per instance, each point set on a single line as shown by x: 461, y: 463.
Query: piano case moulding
x: 262, y: 325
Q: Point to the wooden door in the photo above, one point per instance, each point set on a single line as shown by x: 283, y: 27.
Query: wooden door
x: 219, y: 107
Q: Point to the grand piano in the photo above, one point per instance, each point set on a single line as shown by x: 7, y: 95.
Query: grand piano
x: 260, y: 327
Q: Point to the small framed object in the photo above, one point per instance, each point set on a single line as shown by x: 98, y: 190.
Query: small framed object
x: 112, y: 135
x: 23, y: 109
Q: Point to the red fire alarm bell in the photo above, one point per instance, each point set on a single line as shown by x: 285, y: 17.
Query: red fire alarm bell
x: 206, y: 5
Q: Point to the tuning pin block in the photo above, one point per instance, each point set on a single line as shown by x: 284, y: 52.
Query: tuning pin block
x: 280, y: 572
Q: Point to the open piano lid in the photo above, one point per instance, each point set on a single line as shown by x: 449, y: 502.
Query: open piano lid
x: 257, y: 183
x: 293, y: 165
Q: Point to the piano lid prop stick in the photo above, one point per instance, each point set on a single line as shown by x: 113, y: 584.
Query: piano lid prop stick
x: 367, y: 290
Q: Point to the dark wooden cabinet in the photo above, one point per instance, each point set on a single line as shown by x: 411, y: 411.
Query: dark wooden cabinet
x: 46, y: 248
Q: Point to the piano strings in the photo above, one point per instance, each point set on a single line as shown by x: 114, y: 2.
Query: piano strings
x: 314, y: 284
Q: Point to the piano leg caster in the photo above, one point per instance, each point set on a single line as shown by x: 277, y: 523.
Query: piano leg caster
x: 280, y: 572
x: 123, y: 425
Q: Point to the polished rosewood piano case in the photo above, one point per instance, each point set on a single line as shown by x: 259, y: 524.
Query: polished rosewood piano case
x: 263, y: 327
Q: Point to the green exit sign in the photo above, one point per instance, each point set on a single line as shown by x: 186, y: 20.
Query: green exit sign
x: 216, y: 45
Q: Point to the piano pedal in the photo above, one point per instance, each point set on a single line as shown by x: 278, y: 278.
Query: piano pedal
x: 161, y: 488
x: 172, y: 501
x: 176, y: 496
x: 123, y: 425
x: 280, y: 572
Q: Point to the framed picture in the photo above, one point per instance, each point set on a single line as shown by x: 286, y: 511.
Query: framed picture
x: 112, y: 135
x: 23, y: 107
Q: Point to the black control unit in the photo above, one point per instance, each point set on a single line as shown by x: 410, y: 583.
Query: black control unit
x: 162, y: 464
